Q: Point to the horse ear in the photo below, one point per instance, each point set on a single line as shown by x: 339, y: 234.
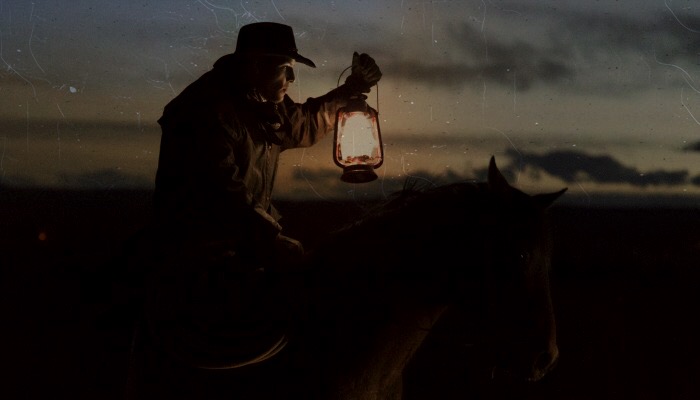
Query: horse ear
x: 547, y: 199
x: 496, y: 181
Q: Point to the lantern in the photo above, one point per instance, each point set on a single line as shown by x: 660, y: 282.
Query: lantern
x: 358, y: 142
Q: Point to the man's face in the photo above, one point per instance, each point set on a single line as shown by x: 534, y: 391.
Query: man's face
x: 275, y: 73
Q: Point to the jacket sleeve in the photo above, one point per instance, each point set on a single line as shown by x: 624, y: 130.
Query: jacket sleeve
x: 311, y: 121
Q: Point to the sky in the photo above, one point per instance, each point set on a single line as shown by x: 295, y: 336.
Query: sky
x: 602, y: 97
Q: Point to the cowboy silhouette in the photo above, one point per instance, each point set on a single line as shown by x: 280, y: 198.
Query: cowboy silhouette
x: 213, y: 294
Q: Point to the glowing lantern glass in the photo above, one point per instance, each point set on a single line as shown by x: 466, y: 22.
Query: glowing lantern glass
x: 358, y: 142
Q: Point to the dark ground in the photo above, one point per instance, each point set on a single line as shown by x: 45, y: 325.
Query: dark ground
x: 624, y: 284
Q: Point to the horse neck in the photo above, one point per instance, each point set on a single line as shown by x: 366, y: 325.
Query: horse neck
x: 407, y: 253
x: 375, y: 317
x: 377, y: 373
x: 382, y: 289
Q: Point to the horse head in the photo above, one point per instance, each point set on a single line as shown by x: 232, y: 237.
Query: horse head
x: 521, y: 329
x: 479, y: 248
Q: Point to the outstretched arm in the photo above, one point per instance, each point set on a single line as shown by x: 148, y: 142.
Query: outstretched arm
x: 310, y: 122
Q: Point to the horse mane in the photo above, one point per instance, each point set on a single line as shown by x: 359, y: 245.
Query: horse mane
x: 408, y: 234
x: 422, y: 224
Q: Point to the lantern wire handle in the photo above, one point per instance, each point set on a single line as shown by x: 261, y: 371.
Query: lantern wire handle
x: 376, y: 84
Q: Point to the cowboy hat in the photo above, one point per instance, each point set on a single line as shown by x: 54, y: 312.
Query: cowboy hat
x: 269, y: 38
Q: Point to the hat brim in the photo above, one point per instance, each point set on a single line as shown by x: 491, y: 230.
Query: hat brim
x: 299, y: 58
x: 294, y: 56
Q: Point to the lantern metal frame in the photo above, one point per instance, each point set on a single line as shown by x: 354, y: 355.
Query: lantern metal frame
x: 358, y: 171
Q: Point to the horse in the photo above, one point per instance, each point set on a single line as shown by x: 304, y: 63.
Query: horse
x: 346, y: 322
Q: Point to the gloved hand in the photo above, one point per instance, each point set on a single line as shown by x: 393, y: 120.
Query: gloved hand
x: 289, y: 254
x: 365, y: 73
x: 257, y: 244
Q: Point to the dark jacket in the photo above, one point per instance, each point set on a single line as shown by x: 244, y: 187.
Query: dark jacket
x: 219, y: 154
x: 215, y: 224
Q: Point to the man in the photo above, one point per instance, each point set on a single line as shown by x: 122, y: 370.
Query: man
x: 222, y: 137
x: 218, y: 233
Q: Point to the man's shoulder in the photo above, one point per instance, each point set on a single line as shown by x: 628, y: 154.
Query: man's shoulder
x: 209, y: 85
x: 209, y: 92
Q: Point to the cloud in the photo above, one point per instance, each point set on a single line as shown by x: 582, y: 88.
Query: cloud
x: 16, y: 181
x: 591, y: 49
x: 518, y: 63
x: 333, y: 187
x: 572, y: 166
x: 523, y: 73
x: 105, y: 179
x: 692, y: 147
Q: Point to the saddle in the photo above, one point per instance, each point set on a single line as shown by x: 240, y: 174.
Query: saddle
x: 216, y: 312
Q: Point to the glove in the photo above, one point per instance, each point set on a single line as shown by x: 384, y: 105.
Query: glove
x: 289, y: 254
x: 365, y: 73
x: 258, y: 243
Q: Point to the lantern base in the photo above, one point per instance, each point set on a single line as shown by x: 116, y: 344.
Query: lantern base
x: 358, y: 174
